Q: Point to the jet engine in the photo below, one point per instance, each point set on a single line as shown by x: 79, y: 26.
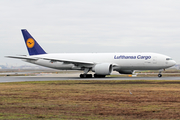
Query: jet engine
x: 103, y: 69
x: 126, y: 71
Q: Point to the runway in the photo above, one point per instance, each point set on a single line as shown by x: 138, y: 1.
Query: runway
x: 50, y: 78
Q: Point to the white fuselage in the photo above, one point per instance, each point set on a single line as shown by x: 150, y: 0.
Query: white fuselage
x: 120, y: 61
x: 101, y: 64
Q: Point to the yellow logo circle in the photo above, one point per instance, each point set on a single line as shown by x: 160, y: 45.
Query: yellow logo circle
x: 30, y: 43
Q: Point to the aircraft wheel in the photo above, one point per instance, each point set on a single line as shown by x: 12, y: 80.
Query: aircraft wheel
x: 99, y: 76
x: 89, y: 76
x: 81, y: 76
x: 159, y: 75
x: 85, y: 75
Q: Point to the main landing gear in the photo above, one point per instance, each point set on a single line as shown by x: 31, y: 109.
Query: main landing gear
x: 85, y: 75
x: 90, y: 76
x: 99, y: 76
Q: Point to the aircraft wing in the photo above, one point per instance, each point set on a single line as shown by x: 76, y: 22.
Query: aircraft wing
x: 75, y: 62
x: 65, y: 61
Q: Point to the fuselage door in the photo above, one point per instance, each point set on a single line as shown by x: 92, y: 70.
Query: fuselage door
x: 148, y: 62
x: 154, y: 60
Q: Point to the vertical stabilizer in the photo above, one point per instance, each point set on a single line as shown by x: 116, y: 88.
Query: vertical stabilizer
x: 33, y: 47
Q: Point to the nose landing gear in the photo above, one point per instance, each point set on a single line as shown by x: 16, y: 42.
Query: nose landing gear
x: 159, y: 75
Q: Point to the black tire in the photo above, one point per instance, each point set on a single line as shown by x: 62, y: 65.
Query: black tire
x: 85, y: 75
x: 159, y: 75
x: 99, y: 76
x: 81, y: 76
x: 89, y: 76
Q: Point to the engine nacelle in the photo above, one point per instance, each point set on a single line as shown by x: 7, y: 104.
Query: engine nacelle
x: 103, y: 69
x: 126, y: 71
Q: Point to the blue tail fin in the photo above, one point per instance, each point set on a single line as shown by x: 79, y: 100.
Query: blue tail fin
x: 33, y: 47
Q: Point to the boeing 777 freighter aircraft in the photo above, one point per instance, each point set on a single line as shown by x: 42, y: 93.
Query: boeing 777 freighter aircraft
x: 101, y: 64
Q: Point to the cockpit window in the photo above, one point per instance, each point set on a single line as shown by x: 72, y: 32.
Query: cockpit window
x: 168, y: 58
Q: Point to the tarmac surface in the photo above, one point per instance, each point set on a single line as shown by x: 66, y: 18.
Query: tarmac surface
x: 52, y: 78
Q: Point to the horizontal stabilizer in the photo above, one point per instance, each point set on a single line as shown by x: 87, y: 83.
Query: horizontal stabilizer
x: 22, y: 57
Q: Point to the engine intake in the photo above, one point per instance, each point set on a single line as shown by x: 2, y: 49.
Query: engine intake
x: 103, y: 69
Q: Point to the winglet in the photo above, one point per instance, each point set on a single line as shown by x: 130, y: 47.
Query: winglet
x: 33, y: 47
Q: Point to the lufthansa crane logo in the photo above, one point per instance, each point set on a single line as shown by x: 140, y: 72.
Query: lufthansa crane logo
x: 30, y: 43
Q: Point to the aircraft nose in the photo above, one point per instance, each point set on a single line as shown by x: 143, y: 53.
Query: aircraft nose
x: 173, y: 62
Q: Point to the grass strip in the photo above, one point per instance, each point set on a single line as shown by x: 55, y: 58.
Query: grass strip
x: 91, y: 99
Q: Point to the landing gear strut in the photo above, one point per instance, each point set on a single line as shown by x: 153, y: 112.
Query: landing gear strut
x: 85, y: 75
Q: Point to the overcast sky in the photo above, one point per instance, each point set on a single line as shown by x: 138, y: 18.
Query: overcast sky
x: 68, y: 26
